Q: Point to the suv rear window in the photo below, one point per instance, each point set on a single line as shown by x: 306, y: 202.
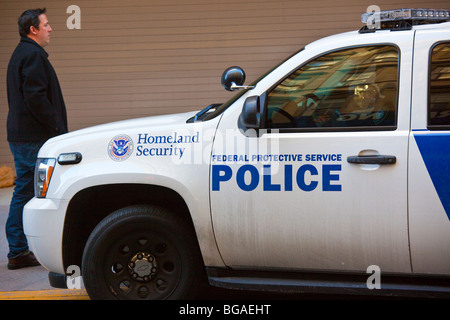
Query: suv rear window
x: 439, y: 92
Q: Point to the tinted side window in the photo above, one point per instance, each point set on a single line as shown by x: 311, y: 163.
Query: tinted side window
x: 439, y: 103
x: 351, y: 88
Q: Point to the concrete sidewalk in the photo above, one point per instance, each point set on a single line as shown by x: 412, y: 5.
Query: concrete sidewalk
x: 33, y: 278
x: 27, y: 283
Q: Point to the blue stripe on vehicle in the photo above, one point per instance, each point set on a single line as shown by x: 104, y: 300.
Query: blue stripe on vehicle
x: 435, y: 151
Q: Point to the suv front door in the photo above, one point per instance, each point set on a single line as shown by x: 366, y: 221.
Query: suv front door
x: 330, y: 191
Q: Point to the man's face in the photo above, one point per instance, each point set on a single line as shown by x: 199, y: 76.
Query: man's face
x: 42, y: 36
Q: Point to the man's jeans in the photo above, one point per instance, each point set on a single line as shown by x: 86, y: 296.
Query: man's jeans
x: 25, y: 156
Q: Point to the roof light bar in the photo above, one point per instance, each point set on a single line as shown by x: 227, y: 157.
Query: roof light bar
x: 415, y: 15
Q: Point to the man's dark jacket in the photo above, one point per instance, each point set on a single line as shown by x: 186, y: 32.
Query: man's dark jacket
x: 36, y: 106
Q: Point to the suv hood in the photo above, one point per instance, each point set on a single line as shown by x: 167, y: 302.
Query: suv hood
x: 154, y: 122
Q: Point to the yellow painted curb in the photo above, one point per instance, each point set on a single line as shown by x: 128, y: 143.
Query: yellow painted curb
x: 62, y: 294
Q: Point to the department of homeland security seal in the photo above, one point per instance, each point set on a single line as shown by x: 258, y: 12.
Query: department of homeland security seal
x: 120, y: 147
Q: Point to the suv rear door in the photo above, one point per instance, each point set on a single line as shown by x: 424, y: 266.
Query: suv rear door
x: 429, y: 153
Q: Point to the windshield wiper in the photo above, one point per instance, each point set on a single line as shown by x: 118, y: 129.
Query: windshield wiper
x: 201, y: 114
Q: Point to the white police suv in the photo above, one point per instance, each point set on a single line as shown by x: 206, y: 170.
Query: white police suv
x: 329, y: 173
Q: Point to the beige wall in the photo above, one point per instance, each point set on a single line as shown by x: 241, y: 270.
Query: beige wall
x: 138, y: 58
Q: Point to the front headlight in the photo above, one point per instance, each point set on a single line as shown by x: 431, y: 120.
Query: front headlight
x: 42, y: 176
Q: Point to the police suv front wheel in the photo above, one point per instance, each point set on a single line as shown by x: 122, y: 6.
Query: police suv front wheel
x: 142, y: 252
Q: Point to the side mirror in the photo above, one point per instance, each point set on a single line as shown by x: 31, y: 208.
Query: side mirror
x: 233, y: 78
x: 251, y: 113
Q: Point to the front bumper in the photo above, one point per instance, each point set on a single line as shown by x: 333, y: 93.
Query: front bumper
x: 43, y: 221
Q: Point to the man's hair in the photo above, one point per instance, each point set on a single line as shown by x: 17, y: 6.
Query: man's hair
x: 29, y: 18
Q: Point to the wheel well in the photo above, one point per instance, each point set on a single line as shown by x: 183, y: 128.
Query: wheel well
x: 89, y: 206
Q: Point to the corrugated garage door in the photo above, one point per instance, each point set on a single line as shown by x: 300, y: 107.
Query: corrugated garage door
x: 137, y: 58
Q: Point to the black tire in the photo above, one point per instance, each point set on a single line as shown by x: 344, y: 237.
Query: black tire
x: 142, y: 252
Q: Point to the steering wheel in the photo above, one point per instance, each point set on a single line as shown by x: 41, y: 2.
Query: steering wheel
x: 306, y: 98
x: 283, y: 113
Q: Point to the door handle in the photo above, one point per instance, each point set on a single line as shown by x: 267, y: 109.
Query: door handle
x: 375, y: 159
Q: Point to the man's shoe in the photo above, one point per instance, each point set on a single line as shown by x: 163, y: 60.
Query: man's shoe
x: 25, y: 259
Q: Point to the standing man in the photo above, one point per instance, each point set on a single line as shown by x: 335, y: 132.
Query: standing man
x: 36, y: 113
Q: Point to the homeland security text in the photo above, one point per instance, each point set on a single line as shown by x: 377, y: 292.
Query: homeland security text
x: 168, y: 144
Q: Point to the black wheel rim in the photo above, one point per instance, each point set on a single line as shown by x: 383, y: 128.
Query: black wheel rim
x: 142, y: 266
